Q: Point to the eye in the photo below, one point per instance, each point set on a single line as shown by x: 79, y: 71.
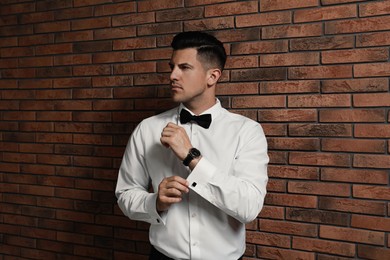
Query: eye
x: 184, y: 67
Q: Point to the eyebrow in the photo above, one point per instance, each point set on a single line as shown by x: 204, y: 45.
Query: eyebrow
x: 171, y: 64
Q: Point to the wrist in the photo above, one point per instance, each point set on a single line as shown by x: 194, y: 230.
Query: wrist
x: 193, y: 154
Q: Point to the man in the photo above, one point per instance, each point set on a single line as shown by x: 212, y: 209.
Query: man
x: 208, y: 172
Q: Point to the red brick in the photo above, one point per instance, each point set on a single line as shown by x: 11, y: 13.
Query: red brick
x: 372, y: 69
x: 16, y: 52
x: 355, y: 85
x: 319, y: 159
x: 371, y: 100
x: 354, y: 175
x: 210, y: 24
x: 54, y: 115
x: 113, y: 33
x: 150, y: 79
x: 372, y: 130
x: 80, y: 47
x: 353, y: 145
x: 135, y: 67
x: 91, y: 23
x: 151, y: 5
x: 287, y: 115
x: 134, y: 92
x: 35, y: 40
x: 320, y: 72
x: 116, y: 8
x: 371, y: 192
x: 374, y: 9
x: 262, y: 238
x: 258, y: 74
x: 352, y: 205
x: 358, y: 25
x: 52, y: 27
x: 74, y: 216
x: 52, y: 5
x: 237, y: 88
x: 36, y: 62
x: 275, y: 185
x: 352, y: 235
x: 323, y: 246
x: 291, y: 31
x: 289, y: 59
x: 89, y: 116
x: 18, y: 73
x: 284, y: 227
x: 325, y: 13
x: 271, y: 253
x: 258, y: 101
x: 359, y: 55
x: 322, y: 43
x: 263, y: 19
x: 353, y: 115
x: 320, y: 130
x: 153, y: 54
x: 370, y: 222
x: 270, y: 5
x: 134, y: 43
x: 179, y: 14
x: 259, y: 47
x: 272, y: 212
x: 75, y: 12
x: 326, y: 100
x: 242, y: 62
x: 291, y: 200
x: 133, y: 19
x: 69, y: 237
x: 317, y: 216
x: 92, y: 70
x: 277, y: 157
x: 76, y: 59
x: 293, y: 172
x: 291, y: 86
x: 9, y: 63
x: 275, y: 129
x: 92, y: 139
x: 314, y: 188
x: 372, y: 252
x: 17, y: 8
x: 332, y: 2
x: 373, y: 39
x: 293, y: 144
x: 231, y: 9
x: 202, y: 2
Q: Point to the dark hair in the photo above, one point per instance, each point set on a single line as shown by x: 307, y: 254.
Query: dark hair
x: 210, y: 49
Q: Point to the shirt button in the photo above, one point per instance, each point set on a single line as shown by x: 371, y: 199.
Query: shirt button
x: 193, y: 215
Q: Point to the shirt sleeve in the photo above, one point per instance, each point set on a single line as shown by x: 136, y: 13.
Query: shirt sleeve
x: 239, y: 193
x: 134, y: 199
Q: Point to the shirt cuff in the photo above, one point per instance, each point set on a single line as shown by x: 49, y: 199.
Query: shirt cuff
x: 155, y: 218
x: 201, y: 175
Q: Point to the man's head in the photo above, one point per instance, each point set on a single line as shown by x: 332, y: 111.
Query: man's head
x: 210, y: 50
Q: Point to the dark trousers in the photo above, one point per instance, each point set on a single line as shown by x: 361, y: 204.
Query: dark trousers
x: 156, y: 255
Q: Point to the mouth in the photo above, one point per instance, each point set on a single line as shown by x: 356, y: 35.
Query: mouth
x: 175, y: 87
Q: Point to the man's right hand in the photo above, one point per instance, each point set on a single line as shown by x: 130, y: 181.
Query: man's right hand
x: 170, y: 191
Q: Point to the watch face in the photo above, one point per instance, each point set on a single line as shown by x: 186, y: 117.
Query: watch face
x: 195, y: 152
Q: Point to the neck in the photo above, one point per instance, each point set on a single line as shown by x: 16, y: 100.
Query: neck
x: 199, y: 107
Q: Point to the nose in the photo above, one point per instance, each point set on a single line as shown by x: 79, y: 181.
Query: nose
x: 174, y: 74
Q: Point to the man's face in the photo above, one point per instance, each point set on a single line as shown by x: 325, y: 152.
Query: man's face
x: 188, y: 76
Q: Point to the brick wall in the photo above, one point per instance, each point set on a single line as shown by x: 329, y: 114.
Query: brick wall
x: 78, y: 75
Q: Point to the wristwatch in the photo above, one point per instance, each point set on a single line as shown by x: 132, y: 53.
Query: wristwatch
x: 192, y: 154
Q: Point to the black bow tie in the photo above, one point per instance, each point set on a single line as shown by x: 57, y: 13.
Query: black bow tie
x: 202, y: 120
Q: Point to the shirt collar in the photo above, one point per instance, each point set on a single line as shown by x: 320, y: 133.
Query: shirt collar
x: 215, y: 110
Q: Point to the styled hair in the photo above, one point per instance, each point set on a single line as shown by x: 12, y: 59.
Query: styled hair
x: 210, y: 50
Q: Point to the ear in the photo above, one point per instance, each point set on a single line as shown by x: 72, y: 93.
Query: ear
x: 213, y: 76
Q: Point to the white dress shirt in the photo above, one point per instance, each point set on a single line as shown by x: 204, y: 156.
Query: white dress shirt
x: 227, y: 186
